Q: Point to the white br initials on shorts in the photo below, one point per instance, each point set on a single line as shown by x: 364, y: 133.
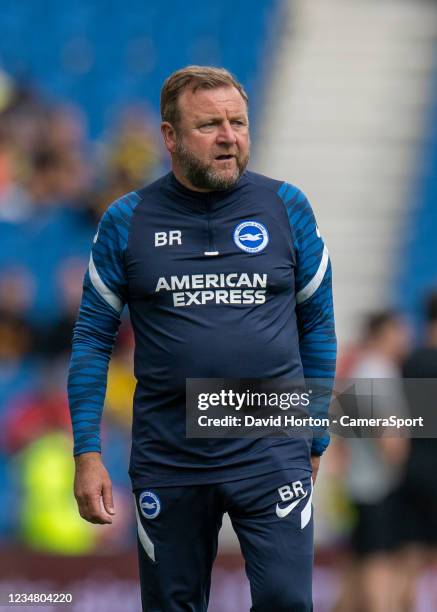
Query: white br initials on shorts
x: 171, y: 238
x: 294, y: 494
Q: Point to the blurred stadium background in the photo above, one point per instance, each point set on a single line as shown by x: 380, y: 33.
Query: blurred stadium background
x: 343, y: 103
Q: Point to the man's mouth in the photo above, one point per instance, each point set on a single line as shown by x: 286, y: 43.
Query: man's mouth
x: 225, y: 157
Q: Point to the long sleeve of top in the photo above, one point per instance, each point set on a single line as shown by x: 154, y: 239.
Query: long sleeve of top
x: 314, y: 303
x: 103, y: 298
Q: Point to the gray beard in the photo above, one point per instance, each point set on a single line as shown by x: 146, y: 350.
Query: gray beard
x: 202, y: 175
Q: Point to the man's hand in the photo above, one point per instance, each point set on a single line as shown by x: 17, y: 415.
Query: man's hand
x: 92, y: 486
x: 315, y: 463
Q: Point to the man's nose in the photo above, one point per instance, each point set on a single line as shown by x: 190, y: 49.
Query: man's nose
x: 226, y: 134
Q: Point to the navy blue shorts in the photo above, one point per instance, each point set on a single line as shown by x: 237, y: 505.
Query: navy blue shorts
x: 178, y: 531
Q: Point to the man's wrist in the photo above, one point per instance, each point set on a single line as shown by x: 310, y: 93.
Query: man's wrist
x: 87, y: 456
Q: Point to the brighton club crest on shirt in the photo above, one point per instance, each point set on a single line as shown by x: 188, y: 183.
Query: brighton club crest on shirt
x: 251, y: 236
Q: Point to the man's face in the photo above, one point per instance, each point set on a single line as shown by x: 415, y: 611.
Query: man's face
x: 211, y: 142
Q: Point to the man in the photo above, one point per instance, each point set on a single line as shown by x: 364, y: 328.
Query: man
x: 419, y: 486
x: 226, y: 276
x: 374, y: 468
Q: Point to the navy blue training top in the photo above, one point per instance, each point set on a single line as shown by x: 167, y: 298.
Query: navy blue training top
x: 226, y: 284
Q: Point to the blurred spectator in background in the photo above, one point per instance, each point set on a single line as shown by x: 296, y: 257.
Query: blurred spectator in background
x: 57, y: 177
x: 47, y: 521
x: 37, y: 438
x: 50, y: 202
x: 18, y: 374
x: 374, y: 468
x: 419, y: 486
x: 43, y: 218
x: 57, y: 229
x: 130, y: 156
x: 17, y: 361
x: 36, y: 435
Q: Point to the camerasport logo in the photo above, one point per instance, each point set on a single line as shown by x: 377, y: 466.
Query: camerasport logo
x: 251, y: 236
x: 150, y: 505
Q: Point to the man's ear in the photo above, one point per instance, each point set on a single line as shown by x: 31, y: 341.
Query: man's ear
x: 169, y: 135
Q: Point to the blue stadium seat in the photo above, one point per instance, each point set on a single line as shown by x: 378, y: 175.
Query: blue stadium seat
x: 228, y: 33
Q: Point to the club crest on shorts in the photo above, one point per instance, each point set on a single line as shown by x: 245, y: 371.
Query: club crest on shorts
x: 150, y: 505
x: 251, y: 236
